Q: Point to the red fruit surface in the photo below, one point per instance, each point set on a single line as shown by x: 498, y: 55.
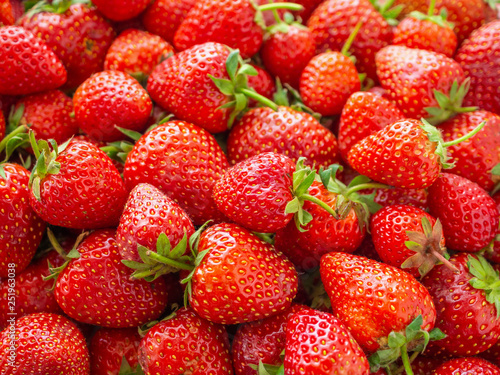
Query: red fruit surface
x: 262, y: 83
x: 121, y: 10
x: 467, y: 366
x: 465, y: 15
x: 390, y: 197
x: 10, y: 11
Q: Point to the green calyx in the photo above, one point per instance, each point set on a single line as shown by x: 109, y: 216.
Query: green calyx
x: 283, y: 25
x: 486, y: 279
x: 438, y: 19
x: 17, y: 137
x: 348, y: 43
x: 449, y: 105
x: 493, y: 4
x: 259, y: 17
x: 388, y: 11
x: 398, y: 344
x: 56, y: 6
x: 126, y: 369
x: 236, y: 87
x: 427, y: 248
x: 289, y: 97
x: 265, y: 369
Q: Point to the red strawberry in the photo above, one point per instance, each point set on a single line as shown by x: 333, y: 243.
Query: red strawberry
x: 363, y: 114
x: 77, y: 34
x: 465, y: 15
x: 109, y: 99
x: 262, y: 83
x: 467, y: 305
x: 10, y: 11
x: 27, y: 64
x: 113, y: 298
x: 121, y: 10
x: 390, y: 197
x: 240, y: 278
x: 184, y: 173
x: 43, y: 344
x: 184, y: 344
x: 478, y: 56
x: 285, y: 131
x: 136, y: 51
x: 76, y: 187
x: 462, y: 366
x: 453, y: 199
x: 110, y: 347
x: 319, y: 343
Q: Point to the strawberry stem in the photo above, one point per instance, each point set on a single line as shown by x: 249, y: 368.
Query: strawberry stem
x: 320, y: 203
x: 273, y: 6
x: 442, y: 259
x: 406, y: 360
x: 432, y: 6
x: 170, y: 262
x: 348, y: 43
x: 261, y: 99
x: 366, y: 186
x: 466, y: 136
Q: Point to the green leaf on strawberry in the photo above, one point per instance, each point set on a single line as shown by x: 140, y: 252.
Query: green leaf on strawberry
x: 126, y: 369
x: 485, y: 278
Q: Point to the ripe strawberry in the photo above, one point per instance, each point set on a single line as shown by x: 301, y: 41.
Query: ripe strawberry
x: 121, y: 10
x: 390, y: 197
x: 114, y: 299
x: 319, y: 343
x: 411, y: 77
x: 478, y: 56
x: 452, y: 199
x: 467, y: 305
x: 22, y: 228
x: 240, y: 278
x: 467, y: 366
x: 109, y: 347
x: 27, y: 64
x: 363, y: 114
x: 262, y: 83
x: 109, y: 99
x: 77, y: 34
x: 186, y: 343
x: 76, y: 186
x: 465, y: 15
x: 285, y: 131
x: 184, y: 173
x: 44, y: 344
x: 136, y: 52
x: 10, y: 11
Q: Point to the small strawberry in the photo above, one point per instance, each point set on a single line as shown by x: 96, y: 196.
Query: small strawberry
x: 467, y: 366
x: 262, y: 83
x: 121, y: 10
x: 27, y: 64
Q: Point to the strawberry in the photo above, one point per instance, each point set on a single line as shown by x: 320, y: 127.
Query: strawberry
x: 465, y: 15
x: 136, y: 52
x: 452, y: 199
x: 467, y: 366
x: 27, y: 64
x: 10, y: 11
x: 286, y: 131
x: 109, y: 349
x: 109, y: 99
x: 390, y: 197
x: 186, y: 343
x: 117, y: 300
x: 478, y: 56
x: 240, y: 277
x: 467, y: 305
x: 262, y: 83
x: 319, y: 343
x: 363, y: 114
x: 185, y: 174
x: 44, y: 343
x: 77, y: 34
x: 76, y: 186
x: 121, y: 10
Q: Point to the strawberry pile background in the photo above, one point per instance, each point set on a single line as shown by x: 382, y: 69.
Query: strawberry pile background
x: 243, y: 187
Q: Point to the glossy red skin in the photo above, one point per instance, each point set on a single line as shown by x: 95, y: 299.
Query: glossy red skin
x: 45, y: 344
x: 263, y: 83
x: 466, y: 15
x: 425, y: 34
x: 410, y: 77
x: 136, y: 51
x: 255, y: 192
x: 121, y: 10
x: 302, y: 259
x: 475, y: 157
x: 463, y: 314
x: 10, y: 11
x: 33, y: 294
x: 186, y: 344
x: 78, y: 197
x: 478, y: 57
x: 327, y: 81
x: 22, y: 228
x: 373, y: 299
x: 333, y: 21
x: 241, y: 278
x: 319, y: 343
x: 163, y: 17
x: 399, y: 155
x: 147, y: 213
x: 388, y: 228
x: 109, y: 298
x: 285, y: 55
x: 158, y: 159
x: 80, y: 37
x: 48, y: 115
x: 27, y: 64
x: 262, y: 340
x: 109, y: 346
x: 229, y: 22
x: 493, y: 255
x: 109, y: 99
x: 467, y: 366
x: 390, y: 197
x: 181, y: 85
x: 363, y: 114
x: 452, y: 199
x: 286, y: 131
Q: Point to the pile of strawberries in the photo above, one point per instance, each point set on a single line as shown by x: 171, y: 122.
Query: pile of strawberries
x: 215, y: 187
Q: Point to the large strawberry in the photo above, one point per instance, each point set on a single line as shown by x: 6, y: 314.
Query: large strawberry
x: 121, y: 10
x: 472, y: 365
x: 27, y: 64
